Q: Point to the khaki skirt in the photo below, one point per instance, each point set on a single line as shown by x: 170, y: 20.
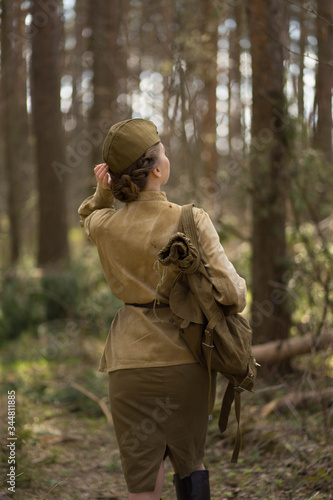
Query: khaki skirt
x: 158, y: 412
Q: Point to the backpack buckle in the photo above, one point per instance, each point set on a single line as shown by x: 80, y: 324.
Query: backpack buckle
x: 209, y: 333
x: 207, y: 345
x: 239, y: 388
x: 248, y: 380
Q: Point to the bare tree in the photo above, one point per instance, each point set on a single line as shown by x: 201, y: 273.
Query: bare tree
x: 106, y: 18
x: 234, y: 81
x: 208, y: 22
x: 270, y: 314
x: 14, y: 118
x: 45, y: 93
x: 324, y: 83
x: 302, y: 44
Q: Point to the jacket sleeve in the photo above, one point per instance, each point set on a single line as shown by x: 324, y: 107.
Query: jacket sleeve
x: 229, y: 287
x: 93, y: 210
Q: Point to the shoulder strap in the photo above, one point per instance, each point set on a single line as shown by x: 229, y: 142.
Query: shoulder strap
x: 187, y: 224
x: 188, y: 227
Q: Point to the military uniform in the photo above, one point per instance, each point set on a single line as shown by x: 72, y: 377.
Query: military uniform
x: 158, y: 392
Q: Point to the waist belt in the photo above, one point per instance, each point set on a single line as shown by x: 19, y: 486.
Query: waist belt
x: 149, y: 305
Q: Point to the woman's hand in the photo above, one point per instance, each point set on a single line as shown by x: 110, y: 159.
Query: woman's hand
x: 102, y: 176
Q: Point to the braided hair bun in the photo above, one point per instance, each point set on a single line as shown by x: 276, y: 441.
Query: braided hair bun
x: 127, y: 185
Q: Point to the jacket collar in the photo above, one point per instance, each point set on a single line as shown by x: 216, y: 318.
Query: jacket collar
x: 151, y: 196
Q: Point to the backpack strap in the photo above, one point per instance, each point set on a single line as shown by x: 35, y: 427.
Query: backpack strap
x: 230, y: 395
x: 187, y: 224
x: 188, y: 227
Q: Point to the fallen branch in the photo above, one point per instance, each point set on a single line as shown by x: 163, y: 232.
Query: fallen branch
x: 90, y: 395
x: 297, y: 399
x: 280, y: 350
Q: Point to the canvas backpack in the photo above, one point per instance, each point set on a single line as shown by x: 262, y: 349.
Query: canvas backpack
x: 218, y: 340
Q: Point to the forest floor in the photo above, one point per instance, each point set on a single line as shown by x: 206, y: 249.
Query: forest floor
x: 67, y: 450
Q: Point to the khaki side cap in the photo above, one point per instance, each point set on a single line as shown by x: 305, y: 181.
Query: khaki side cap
x: 126, y: 141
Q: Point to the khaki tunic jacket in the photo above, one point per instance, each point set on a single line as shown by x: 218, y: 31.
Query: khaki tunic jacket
x: 128, y: 241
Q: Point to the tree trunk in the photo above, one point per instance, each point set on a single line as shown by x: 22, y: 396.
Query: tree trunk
x: 14, y: 119
x: 123, y: 107
x: 45, y: 93
x: 300, y: 83
x: 167, y: 12
x: 270, y: 312
x: 208, y: 61
x: 8, y: 75
x: 234, y: 102
x: 78, y: 63
x: 105, y: 20
x: 324, y: 83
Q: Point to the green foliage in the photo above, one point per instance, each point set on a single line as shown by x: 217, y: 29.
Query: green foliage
x: 60, y: 293
x: 311, y: 181
x: 310, y: 240
x: 21, y: 305
x: 57, y: 302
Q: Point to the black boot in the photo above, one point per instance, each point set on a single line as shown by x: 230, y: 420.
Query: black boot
x: 193, y: 487
x: 198, y: 485
x: 181, y: 489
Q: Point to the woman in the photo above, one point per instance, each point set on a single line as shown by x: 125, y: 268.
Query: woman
x: 158, y: 392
